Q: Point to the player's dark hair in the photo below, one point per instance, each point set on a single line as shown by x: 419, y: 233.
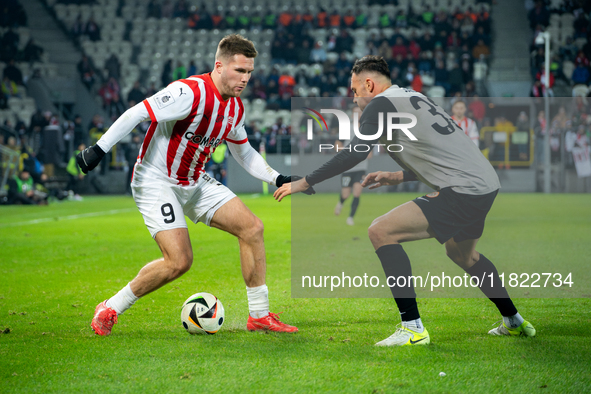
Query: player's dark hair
x: 371, y: 63
x: 459, y: 101
x: 235, y: 44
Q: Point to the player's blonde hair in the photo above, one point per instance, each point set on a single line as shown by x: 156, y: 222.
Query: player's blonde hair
x: 235, y: 44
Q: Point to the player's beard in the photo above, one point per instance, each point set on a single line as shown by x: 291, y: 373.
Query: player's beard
x: 227, y: 88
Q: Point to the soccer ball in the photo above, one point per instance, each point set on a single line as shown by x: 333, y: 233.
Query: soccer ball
x: 202, y: 313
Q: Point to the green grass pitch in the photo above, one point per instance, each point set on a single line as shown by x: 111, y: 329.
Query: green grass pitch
x: 58, y: 262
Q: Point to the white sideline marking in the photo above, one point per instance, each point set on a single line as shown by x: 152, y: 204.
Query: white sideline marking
x: 70, y: 217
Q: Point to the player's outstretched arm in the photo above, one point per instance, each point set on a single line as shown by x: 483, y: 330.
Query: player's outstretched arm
x: 297, y: 185
x: 254, y: 164
x: 90, y: 157
x: 385, y: 178
x: 382, y: 178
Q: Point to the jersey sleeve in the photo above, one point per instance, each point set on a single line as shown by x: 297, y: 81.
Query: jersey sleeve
x: 174, y: 102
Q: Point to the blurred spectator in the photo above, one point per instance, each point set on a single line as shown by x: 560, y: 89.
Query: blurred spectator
x: 334, y: 19
x: 581, y: 26
x: 522, y: 124
x: 75, y: 174
x: 480, y: 50
x: 180, y: 72
x: 136, y: 94
x: 87, y: 71
x: 12, y: 13
x: 344, y: 42
x: 539, y: 15
x: 3, y: 100
x: 442, y: 76
x: 9, y: 88
x: 151, y: 90
x: 456, y: 78
x: 302, y: 52
x: 580, y: 75
x: 218, y: 164
x: 477, y: 109
x: 154, y: 9
x: 52, y: 148
x: 13, y: 73
x: 113, y: 67
x: 582, y: 59
x: 192, y: 70
x: 21, y: 190
x: 32, y: 52
x: 541, y: 76
x: 80, y: 136
x: 166, y: 9
x: 399, y: 48
x: 78, y: 27
x: 108, y: 91
x: 9, y: 42
x: 92, y: 30
x: 318, y: 54
x: 116, y: 107
x: 469, y: 126
x: 343, y: 63
x: 166, y: 76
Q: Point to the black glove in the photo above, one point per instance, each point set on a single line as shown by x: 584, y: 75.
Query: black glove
x: 281, y: 179
x: 89, y: 158
x: 309, y: 191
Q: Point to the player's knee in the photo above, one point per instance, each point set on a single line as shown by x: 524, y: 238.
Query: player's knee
x: 181, y: 264
x: 375, y: 233
x: 458, y: 257
x: 254, y: 231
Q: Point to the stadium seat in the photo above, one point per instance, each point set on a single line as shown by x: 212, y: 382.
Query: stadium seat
x: 436, y: 91
x: 567, y: 68
x: 580, y: 91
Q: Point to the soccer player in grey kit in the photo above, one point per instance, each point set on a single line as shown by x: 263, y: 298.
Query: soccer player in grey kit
x: 442, y: 157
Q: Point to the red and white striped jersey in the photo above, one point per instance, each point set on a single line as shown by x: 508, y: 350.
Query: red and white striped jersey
x: 469, y: 127
x: 189, y: 120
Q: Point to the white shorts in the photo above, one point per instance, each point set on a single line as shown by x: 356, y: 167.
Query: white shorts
x: 164, y: 205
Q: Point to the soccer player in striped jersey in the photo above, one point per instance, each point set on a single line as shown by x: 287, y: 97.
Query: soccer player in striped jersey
x: 189, y: 119
x: 468, y: 126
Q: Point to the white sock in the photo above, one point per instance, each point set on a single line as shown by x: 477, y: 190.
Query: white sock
x: 415, y: 325
x: 123, y: 300
x: 258, y: 301
x: 513, y: 321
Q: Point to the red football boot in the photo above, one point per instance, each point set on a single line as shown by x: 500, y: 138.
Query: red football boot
x: 269, y: 323
x: 104, y: 319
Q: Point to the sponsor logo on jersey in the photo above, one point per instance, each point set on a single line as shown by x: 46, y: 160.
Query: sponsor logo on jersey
x: 198, y: 139
x: 219, y: 119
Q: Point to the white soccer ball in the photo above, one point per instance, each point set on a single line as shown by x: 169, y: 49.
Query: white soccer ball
x: 202, y: 313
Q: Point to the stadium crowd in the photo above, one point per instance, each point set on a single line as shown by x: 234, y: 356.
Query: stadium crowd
x: 569, y: 24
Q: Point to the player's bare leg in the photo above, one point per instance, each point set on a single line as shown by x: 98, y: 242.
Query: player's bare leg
x: 402, y: 224
x: 177, y: 259
x: 464, y: 254
x: 235, y: 218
